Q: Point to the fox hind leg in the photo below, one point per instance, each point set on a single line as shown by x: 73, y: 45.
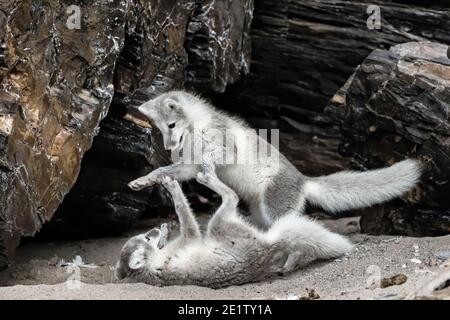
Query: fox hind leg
x: 226, y: 223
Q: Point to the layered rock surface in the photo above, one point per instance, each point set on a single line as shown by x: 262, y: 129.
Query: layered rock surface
x: 56, y: 85
x: 303, y: 51
x: 397, y: 105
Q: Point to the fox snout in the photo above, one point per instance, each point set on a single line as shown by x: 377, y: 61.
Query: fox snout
x: 169, y: 146
x: 172, y: 142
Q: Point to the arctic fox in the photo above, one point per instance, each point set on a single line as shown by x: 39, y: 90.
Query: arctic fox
x: 231, y: 252
x: 269, y: 184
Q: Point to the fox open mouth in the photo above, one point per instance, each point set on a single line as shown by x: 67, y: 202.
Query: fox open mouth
x: 177, y: 146
x: 180, y: 143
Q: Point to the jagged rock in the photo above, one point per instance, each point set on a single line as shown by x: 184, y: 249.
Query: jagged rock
x: 303, y: 51
x: 218, y: 44
x: 55, y: 87
x: 58, y: 82
x: 396, y: 105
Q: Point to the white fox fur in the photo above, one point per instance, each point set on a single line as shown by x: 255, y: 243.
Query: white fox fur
x: 350, y: 190
x: 231, y: 252
x: 271, y: 186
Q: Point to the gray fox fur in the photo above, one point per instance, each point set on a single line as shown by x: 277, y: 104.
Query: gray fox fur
x: 230, y: 252
x: 272, y: 186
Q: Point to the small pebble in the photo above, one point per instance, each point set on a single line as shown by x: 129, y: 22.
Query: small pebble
x: 414, y: 260
x: 443, y: 255
x: 311, y: 295
x: 396, y: 280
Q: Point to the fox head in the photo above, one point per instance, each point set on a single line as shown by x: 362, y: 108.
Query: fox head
x: 168, y: 114
x: 138, y: 253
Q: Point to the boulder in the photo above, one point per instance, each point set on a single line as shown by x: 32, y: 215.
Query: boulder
x: 396, y: 106
x: 56, y: 84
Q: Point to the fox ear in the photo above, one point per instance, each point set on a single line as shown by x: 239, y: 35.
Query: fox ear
x: 137, y: 259
x: 172, y: 104
x: 153, y: 234
x: 147, y: 110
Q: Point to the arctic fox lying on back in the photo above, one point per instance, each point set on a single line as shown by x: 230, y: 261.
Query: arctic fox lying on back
x: 231, y: 252
x: 271, y: 185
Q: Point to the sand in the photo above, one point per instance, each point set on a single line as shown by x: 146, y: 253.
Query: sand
x: 37, y: 271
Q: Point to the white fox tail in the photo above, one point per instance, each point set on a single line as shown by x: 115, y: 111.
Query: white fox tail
x: 350, y: 190
x: 300, y: 234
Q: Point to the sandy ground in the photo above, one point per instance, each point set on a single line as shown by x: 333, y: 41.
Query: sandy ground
x: 38, y: 271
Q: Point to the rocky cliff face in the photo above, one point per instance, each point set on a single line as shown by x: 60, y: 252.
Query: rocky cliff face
x: 62, y: 63
x: 56, y: 85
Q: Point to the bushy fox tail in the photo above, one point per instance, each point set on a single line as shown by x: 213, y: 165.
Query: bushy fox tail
x: 293, y: 233
x: 350, y: 190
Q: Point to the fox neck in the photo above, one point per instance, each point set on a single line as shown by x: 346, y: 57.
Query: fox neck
x: 200, y: 118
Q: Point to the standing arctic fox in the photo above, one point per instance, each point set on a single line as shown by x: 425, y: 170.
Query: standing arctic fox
x: 231, y: 252
x: 270, y: 185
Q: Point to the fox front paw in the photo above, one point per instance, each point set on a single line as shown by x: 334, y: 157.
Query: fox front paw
x: 169, y: 183
x: 164, y: 235
x: 140, y: 183
x: 202, y: 177
x: 208, y: 163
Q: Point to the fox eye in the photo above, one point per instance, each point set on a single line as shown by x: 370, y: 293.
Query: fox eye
x: 172, y: 125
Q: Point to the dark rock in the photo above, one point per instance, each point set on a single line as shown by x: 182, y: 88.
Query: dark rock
x: 56, y: 85
x: 218, y: 44
x: 314, y: 155
x: 395, y: 106
x: 303, y: 51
